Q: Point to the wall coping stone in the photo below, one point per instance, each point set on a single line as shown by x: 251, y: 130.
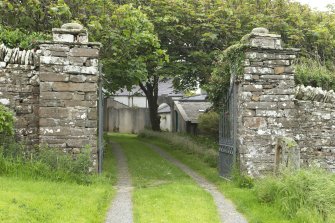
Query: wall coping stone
x: 72, y: 43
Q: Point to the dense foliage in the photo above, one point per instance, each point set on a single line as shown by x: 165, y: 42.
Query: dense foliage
x: 18, y: 38
x: 190, y: 33
x: 310, y: 72
x: 209, y: 124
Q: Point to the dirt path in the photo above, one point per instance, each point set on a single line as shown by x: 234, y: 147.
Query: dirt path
x: 226, y: 209
x: 121, y: 208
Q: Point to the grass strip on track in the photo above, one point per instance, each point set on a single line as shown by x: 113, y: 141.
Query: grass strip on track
x: 163, y: 193
x: 245, y: 200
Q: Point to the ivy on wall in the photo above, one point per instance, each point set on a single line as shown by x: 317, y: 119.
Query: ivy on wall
x: 228, y: 62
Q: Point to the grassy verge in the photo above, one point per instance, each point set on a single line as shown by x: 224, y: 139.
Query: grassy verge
x: 44, y: 201
x: 163, y: 193
x: 273, y: 199
x: 35, y: 198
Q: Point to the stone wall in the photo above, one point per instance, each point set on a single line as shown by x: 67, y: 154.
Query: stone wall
x: 267, y: 109
x: 53, y: 91
x: 19, y: 90
x: 315, y: 127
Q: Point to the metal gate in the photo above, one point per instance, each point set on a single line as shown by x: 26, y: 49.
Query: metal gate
x: 227, y: 139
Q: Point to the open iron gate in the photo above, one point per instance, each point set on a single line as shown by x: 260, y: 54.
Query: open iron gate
x: 227, y: 139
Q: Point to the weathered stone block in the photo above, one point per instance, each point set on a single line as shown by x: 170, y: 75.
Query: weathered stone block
x: 269, y: 113
x: 252, y: 88
x: 258, y: 70
x: 84, y: 52
x: 91, y: 96
x: 80, y: 70
x: 279, y: 70
x: 259, y: 55
x: 54, y: 60
x: 83, y: 87
x: 274, y: 98
x: 287, y: 104
x: 261, y: 105
x: 254, y: 122
x: 54, y: 131
x: 92, y: 113
x: 47, y: 112
x: 277, y: 62
x: 53, y: 77
x: 51, y: 103
x: 80, y: 61
x: 60, y: 37
x: 56, y: 95
x: 78, y: 78
x: 3, y: 64
x: 46, y: 86
x: 276, y: 77
x: 48, y: 122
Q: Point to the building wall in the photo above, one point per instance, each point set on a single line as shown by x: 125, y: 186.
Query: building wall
x: 128, y: 120
x: 136, y: 101
x: 165, y: 122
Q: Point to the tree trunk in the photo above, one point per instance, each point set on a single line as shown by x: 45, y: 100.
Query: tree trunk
x: 153, y: 111
x: 151, y: 92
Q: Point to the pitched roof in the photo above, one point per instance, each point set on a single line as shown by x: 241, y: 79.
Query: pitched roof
x: 164, y: 108
x: 190, y: 110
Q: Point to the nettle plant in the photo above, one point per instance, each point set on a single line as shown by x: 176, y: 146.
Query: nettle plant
x: 6, y: 121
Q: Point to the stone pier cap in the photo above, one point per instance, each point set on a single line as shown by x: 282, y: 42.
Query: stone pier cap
x: 261, y: 38
x: 71, y: 33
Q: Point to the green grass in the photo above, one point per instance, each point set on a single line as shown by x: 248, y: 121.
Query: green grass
x: 25, y: 199
x: 43, y: 201
x: 163, y: 193
x: 245, y: 199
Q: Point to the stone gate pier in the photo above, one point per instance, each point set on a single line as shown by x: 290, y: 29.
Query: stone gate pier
x: 270, y: 106
x: 54, y: 91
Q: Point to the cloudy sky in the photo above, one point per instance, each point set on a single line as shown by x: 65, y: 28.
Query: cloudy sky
x: 318, y: 4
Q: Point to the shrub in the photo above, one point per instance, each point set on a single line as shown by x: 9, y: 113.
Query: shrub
x: 6, y: 121
x: 300, y: 192
x: 17, y: 38
x: 209, y: 124
x: 241, y: 180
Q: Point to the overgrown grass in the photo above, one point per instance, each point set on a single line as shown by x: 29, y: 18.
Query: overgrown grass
x: 163, y: 193
x: 19, y: 160
x: 303, y: 197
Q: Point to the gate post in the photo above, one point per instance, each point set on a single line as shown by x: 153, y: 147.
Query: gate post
x: 69, y: 91
x: 265, y: 101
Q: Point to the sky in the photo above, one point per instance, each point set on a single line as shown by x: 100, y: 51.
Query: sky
x: 318, y: 4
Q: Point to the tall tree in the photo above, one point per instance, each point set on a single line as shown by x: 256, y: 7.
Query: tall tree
x: 133, y: 55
